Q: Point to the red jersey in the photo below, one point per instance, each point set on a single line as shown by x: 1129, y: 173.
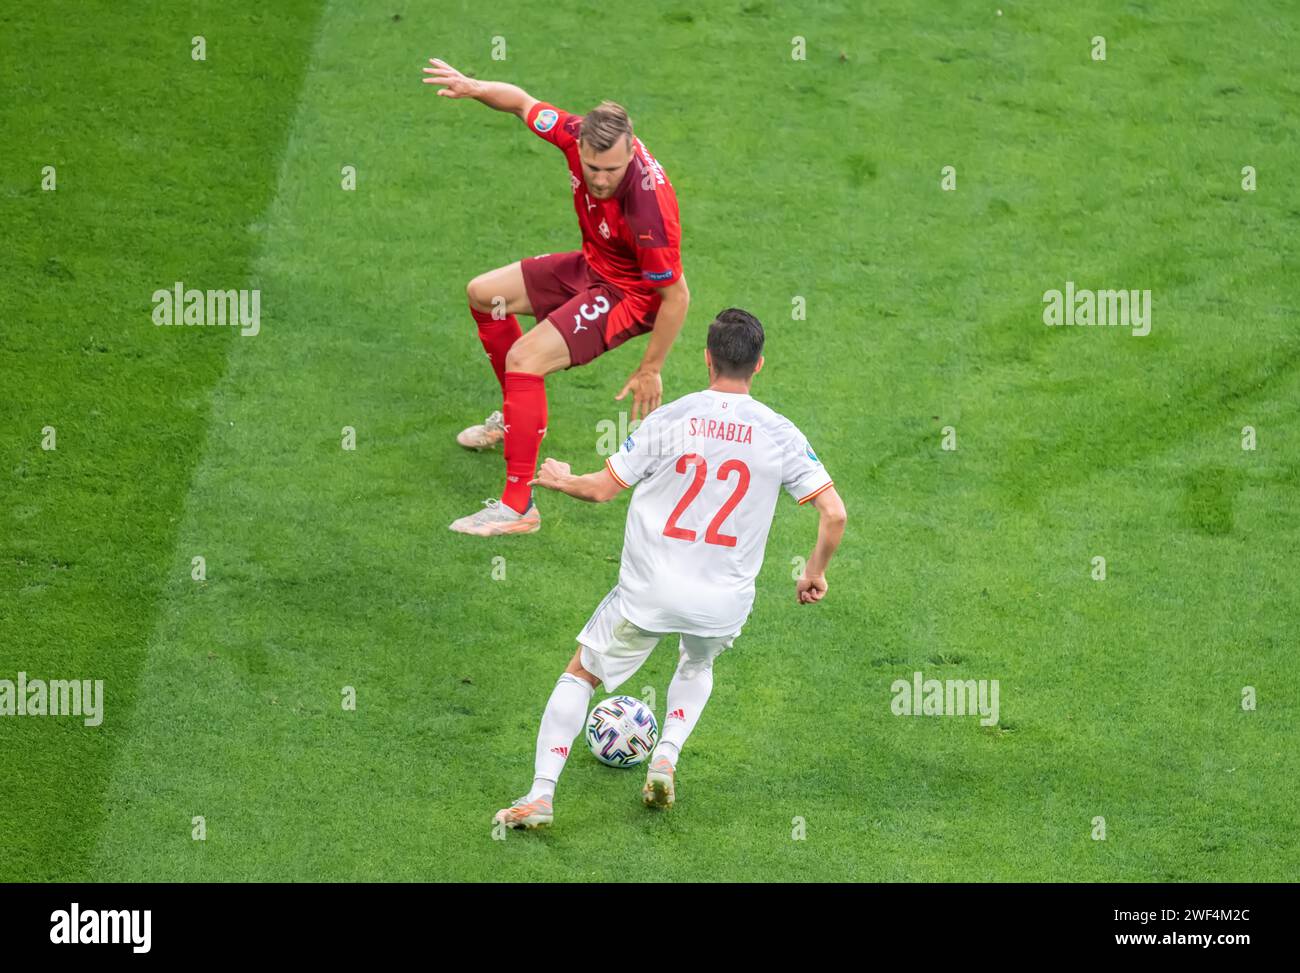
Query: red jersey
x: 633, y: 239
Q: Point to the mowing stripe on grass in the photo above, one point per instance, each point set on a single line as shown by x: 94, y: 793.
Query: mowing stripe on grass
x: 240, y: 719
x: 127, y: 166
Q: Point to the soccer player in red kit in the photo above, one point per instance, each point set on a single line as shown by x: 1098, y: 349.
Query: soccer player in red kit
x: 626, y: 280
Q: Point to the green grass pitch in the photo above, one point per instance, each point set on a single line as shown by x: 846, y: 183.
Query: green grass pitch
x: 816, y: 179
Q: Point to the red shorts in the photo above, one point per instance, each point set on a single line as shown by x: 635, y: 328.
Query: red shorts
x: 592, y: 315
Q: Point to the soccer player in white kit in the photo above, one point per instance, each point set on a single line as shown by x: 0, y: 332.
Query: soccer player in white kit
x: 707, y: 470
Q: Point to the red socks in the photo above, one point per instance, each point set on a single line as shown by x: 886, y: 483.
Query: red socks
x: 524, y: 409
x: 497, y: 337
x: 525, y: 418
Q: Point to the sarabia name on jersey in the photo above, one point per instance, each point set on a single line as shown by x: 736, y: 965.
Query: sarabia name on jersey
x: 731, y: 432
x: 633, y: 239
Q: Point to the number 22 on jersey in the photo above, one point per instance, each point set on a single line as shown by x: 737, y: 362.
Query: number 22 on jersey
x: 713, y: 535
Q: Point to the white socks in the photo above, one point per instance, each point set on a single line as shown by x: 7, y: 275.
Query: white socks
x: 687, y: 694
x: 566, y: 711
x: 665, y: 749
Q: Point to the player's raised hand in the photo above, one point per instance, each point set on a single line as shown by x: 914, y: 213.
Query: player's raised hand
x: 552, y: 474
x: 647, y: 390
x: 810, y: 590
x: 453, y: 83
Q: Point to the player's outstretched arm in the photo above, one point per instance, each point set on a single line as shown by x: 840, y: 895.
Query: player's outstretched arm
x: 644, y: 383
x: 811, y: 587
x: 596, y: 487
x: 494, y: 94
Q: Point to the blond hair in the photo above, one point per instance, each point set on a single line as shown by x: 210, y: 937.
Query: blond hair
x: 604, y: 126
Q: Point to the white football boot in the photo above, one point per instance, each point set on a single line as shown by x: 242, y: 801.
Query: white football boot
x: 498, y: 518
x: 526, y: 814
x: 659, y: 790
x: 491, y: 432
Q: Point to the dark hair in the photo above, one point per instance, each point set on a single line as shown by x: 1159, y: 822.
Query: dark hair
x: 735, y: 343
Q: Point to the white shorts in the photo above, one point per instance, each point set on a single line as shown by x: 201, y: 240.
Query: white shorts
x: 613, y: 648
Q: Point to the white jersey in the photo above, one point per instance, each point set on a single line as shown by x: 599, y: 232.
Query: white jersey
x: 707, y: 470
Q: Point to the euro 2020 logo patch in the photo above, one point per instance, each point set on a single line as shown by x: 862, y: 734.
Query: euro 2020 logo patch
x: 627, y: 444
x: 545, y: 120
x: 811, y: 455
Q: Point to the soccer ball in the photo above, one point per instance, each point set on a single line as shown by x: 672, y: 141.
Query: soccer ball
x: 621, y: 732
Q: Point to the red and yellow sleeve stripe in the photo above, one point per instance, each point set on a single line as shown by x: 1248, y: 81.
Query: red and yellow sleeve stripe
x: 816, y: 493
x: 626, y: 486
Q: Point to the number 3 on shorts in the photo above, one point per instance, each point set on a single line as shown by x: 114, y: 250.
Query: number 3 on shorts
x: 587, y: 313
